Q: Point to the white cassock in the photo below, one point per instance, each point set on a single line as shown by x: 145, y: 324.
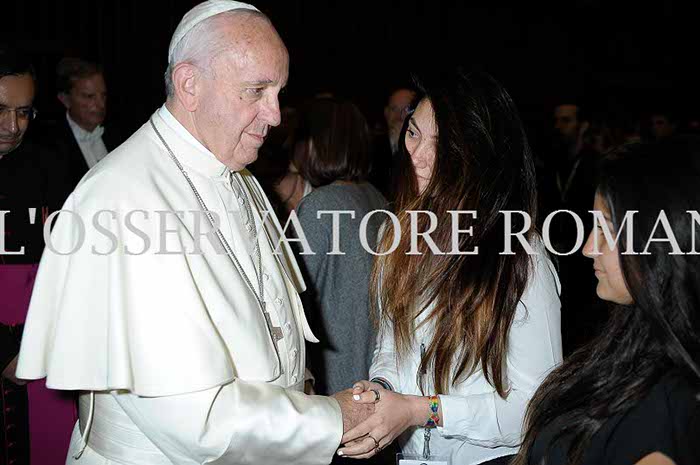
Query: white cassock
x: 175, y: 349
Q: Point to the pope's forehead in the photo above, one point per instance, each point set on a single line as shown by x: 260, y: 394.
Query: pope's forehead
x: 250, y: 31
x: 253, y: 39
x: 269, y: 61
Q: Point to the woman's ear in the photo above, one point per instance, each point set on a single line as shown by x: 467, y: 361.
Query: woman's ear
x: 186, y: 79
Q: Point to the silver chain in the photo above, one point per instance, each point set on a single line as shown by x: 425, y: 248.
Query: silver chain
x: 221, y: 237
x: 227, y: 247
x: 251, y: 218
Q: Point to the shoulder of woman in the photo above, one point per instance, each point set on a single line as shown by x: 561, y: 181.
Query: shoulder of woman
x: 681, y: 394
x: 665, y: 424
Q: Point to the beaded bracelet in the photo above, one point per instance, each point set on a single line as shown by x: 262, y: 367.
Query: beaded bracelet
x: 434, y: 418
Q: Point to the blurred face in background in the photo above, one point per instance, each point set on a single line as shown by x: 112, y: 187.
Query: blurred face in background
x: 606, y: 264
x: 395, y: 113
x: 566, y: 123
x: 87, y: 101
x: 421, y: 142
x: 16, y: 98
x: 661, y: 126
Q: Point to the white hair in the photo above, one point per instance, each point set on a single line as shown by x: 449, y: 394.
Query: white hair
x: 201, y: 44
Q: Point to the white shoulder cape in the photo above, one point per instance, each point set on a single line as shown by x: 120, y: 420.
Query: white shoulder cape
x: 155, y: 324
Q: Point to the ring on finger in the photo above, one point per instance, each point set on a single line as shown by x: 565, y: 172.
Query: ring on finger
x: 377, y: 396
x: 376, y: 443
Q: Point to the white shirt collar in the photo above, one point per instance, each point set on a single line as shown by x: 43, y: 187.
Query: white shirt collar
x: 81, y: 135
x: 205, y: 162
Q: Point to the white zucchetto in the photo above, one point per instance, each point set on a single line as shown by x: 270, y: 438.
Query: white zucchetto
x: 201, y: 12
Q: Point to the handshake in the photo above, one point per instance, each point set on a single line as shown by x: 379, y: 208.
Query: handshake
x: 374, y: 416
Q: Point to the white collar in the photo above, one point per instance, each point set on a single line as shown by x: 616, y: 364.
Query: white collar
x: 81, y: 134
x: 202, y: 159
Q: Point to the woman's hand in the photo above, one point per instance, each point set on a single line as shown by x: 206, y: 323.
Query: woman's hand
x: 393, y: 414
x: 364, y: 386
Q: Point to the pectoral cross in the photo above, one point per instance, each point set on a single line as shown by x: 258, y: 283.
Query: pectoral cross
x: 274, y: 330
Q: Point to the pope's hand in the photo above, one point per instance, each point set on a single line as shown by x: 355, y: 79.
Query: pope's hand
x: 354, y: 413
x: 394, y: 413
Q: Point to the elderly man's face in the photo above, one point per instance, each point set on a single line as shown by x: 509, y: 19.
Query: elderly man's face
x: 87, y: 101
x: 239, y: 101
x: 16, y: 97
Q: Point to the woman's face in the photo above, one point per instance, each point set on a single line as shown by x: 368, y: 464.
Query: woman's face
x: 606, y: 263
x: 421, y: 142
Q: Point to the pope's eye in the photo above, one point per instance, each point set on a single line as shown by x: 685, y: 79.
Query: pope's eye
x: 255, y: 90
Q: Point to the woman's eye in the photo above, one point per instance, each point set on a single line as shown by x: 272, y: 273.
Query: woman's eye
x: 411, y: 133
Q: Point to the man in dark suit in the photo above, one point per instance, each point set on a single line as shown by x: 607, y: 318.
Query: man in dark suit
x: 24, y: 179
x: 80, y: 140
x: 568, y: 182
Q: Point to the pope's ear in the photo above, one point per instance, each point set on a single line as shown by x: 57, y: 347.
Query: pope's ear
x: 185, y: 82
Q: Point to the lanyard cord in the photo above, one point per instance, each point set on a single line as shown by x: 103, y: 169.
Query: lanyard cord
x: 426, y: 430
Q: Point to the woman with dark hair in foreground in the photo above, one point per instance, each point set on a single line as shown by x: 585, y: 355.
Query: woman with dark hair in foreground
x: 464, y: 339
x: 631, y: 395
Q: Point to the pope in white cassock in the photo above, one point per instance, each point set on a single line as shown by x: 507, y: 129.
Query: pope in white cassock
x: 187, y: 344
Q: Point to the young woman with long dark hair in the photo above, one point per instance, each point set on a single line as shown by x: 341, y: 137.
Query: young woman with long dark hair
x: 464, y: 339
x: 631, y: 395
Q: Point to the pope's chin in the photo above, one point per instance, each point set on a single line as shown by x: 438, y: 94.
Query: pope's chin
x: 256, y: 140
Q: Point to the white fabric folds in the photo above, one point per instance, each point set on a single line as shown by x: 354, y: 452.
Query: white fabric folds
x: 152, y: 322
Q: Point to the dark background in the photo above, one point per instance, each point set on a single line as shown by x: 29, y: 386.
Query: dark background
x: 617, y: 56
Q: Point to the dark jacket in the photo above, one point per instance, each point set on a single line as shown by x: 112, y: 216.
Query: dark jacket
x: 60, y: 139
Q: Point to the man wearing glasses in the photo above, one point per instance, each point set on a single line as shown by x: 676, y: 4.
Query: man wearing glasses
x: 24, y: 174
x: 30, y: 179
x: 16, y: 97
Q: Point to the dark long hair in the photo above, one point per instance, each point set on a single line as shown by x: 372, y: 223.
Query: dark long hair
x: 340, y: 142
x: 660, y: 331
x: 483, y: 163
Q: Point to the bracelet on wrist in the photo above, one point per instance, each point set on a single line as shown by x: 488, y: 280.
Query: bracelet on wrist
x: 383, y: 383
x: 434, y: 419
